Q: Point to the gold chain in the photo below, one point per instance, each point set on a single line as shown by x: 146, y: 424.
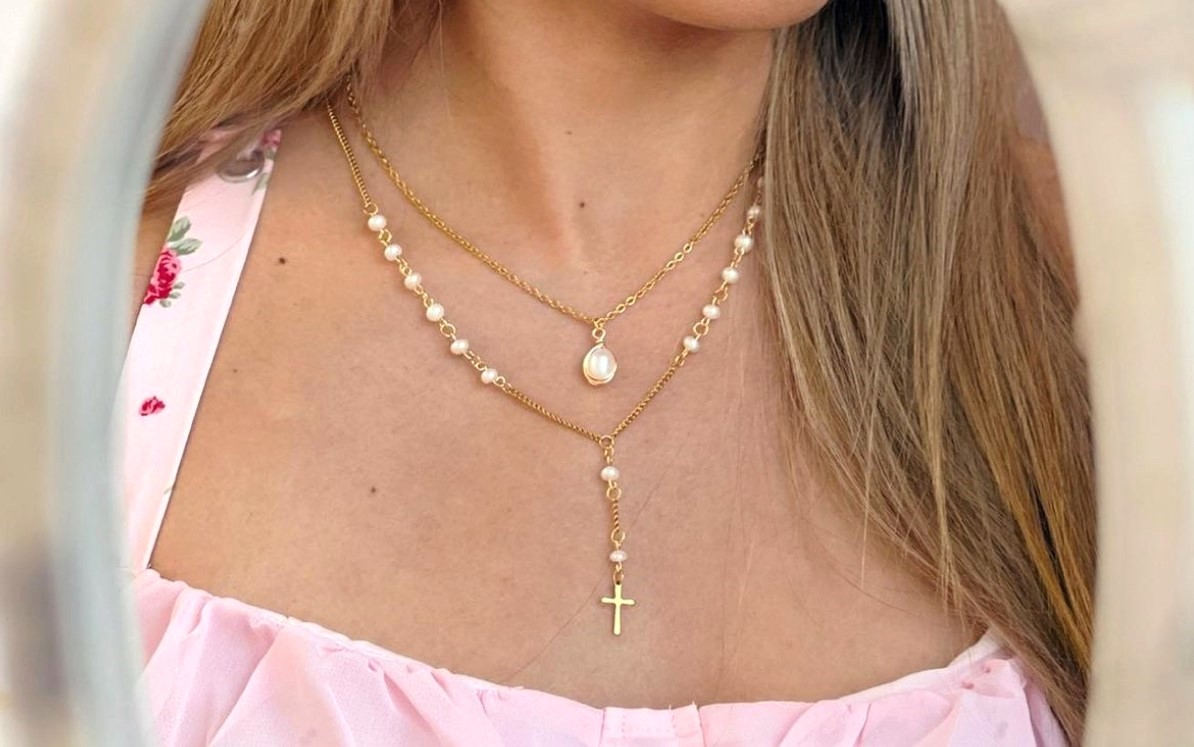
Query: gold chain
x: 597, y: 322
x: 436, y: 314
x: 699, y: 329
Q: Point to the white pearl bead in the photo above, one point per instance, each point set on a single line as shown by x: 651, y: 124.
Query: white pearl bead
x: 435, y: 312
x: 393, y: 252
x: 744, y: 242
x: 599, y: 365
x: 489, y: 375
x: 377, y: 222
x: 712, y: 311
x: 730, y: 275
x: 413, y: 280
x: 618, y: 556
x: 459, y: 346
x: 610, y: 473
x: 754, y: 212
x: 692, y: 344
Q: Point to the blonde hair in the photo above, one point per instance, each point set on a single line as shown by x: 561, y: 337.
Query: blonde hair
x: 921, y: 300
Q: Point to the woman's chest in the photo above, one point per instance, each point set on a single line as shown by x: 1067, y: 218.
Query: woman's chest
x: 344, y: 467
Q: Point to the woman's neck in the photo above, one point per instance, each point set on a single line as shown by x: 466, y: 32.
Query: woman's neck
x: 583, y: 122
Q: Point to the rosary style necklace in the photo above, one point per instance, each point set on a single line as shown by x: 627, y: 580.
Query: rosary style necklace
x: 459, y: 346
x: 599, y: 364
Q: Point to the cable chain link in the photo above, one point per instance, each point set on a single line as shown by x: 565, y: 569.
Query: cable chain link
x: 597, y: 322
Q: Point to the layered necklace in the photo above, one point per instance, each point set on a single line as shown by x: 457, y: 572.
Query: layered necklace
x: 599, y: 364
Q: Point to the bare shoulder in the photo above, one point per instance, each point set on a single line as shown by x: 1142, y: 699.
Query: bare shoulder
x: 1040, y: 170
x: 1040, y: 167
x: 1044, y: 186
x: 151, y: 234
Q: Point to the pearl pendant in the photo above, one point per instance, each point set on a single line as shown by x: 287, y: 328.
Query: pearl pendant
x: 599, y: 365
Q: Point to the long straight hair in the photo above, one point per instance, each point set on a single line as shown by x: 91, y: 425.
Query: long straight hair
x: 920, y: 298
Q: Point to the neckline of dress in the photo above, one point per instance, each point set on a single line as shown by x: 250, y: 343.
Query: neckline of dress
x: 986, y: 646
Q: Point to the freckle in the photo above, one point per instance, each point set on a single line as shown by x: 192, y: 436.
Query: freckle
x: 281, y: 260
x: 567, y: 132
x: 235, y: 370
x: 372, y: 488
x: 582, y: 203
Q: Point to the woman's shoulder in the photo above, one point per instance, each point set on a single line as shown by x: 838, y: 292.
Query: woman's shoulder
x: 151, y: 233
x: 1039, y: 166
x: 248, y: 164
x: 1042, y: 178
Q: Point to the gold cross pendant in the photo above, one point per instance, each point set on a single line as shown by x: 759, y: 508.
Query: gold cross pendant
x: 617, y: 601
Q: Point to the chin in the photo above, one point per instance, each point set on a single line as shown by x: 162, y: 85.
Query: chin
x: 732, y: 15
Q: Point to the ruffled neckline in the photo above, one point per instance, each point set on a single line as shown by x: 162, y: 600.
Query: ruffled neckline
x: 985, y: 647
x: 238, y: 664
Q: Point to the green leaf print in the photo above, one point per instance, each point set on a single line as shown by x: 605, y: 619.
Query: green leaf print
x: 261, y: 181
x: 186, y: 246
x: 179, y: 229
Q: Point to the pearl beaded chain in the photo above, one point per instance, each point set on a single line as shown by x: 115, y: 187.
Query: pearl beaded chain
x: 599, y: 365
x: 435, y: 312
x: 460, y: 347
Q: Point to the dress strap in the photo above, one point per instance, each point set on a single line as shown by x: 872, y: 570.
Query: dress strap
x: 178, y: 328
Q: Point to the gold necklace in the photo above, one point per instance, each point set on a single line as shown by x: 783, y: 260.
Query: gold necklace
x: 435, y: 313
x: 599, y: 364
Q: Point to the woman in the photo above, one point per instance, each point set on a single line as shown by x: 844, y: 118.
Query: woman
x: 833, y: 444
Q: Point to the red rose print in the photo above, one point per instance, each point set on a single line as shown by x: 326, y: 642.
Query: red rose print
x: 152, y: 405
x: 164, y: 275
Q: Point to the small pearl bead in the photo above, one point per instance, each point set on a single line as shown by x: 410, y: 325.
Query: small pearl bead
x: 692, y: 344
x: 393, y: 252
x: 610, y: 473
x: 413, y: 280
x: 435, y: 312
x: 730, y: 275
x: 459, y: 346
x: 744, y: 242
x: 754, y: 212
x: 489, y: 375
x: 618, y: 556
x: 711, y: 311
x: 377, y: 222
